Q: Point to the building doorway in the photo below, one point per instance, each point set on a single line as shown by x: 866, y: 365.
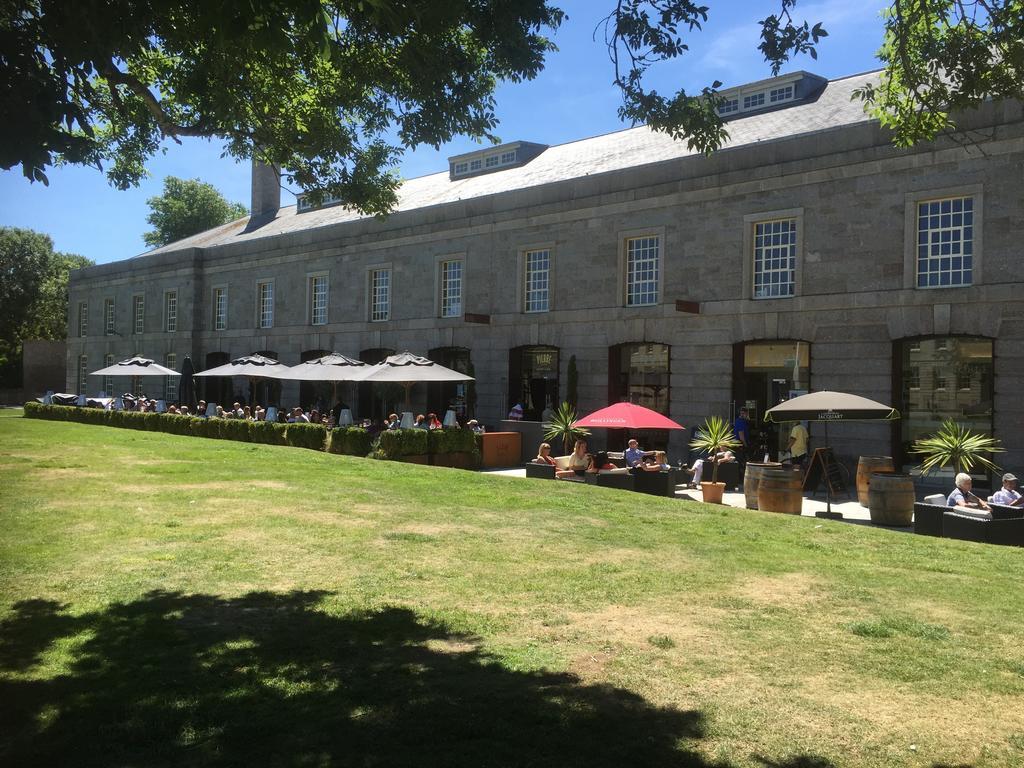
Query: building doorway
x: 445, y: 396
x: 374, y: 398
x: 766, y: 373
x: 217, y: 390
x: 315, y: 394
x: 638, y: 372
x: 533, y: 380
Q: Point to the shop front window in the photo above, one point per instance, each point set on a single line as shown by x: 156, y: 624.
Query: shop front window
x: 639, y: 374
x: 533, y: 380
x: 766, y: 373
x: 939, y: 378
x: 444, y: 396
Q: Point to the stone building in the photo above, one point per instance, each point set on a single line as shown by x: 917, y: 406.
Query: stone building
x: 807, y: 253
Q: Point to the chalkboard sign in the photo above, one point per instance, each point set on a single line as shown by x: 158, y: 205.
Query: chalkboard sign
x: 824, y: 468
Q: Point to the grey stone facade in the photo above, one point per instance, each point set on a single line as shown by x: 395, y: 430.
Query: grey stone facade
x: 852, y: 194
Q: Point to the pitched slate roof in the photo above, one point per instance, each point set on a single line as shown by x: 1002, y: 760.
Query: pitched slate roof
x: 600, y: 154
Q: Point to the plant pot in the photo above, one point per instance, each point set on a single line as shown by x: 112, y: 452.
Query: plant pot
x: 712, y: 492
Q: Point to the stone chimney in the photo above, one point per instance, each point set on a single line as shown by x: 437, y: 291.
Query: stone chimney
x: 266, y: 190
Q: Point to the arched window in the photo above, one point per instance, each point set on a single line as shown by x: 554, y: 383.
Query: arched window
x: 265, y: 392
x: 443, y: 396
x: 638, y: 372
x: 315, y: 394
x: 938, y: 378
x: 533, y: 380
x: 218, y: 389
x: 374, y: 399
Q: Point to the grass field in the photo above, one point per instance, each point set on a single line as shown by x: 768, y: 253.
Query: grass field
x: 178, y: 601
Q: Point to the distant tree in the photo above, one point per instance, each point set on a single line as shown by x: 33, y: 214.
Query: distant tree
x: 33, y: 294
x: 187, y: 207
x: 333, y: 92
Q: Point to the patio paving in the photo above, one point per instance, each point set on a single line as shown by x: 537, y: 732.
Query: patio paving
x: 849, y: 508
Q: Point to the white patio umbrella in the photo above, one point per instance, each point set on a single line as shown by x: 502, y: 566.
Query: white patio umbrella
x: 135, y: 366
x: 253, y: 367
x: 407, y: 369
x: 333, y: 367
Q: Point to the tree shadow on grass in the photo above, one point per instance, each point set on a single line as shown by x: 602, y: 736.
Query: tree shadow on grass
x: 271, y: 680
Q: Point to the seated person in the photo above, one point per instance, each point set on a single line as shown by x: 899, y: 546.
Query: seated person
x: 421, y: 422
x: 236, y: 411
x: 544, y: 455
x: 183, y: 410
x: 474, y: 425
x: 962, y: 496
x: 660, y: 463
x: 697, y: 469
x: 201, y: 409
x: 580, y: 462
x: 1008, y: 494
x: 634, y: 455
x: 393, y: 422
x: 432, y: 421
x: 172, y: 409
x: 220, y: 413
x: 601, y: 462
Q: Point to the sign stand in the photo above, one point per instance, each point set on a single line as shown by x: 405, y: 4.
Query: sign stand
x: 824, y: 468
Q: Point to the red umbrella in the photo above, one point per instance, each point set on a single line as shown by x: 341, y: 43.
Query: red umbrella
x: 627, y: 416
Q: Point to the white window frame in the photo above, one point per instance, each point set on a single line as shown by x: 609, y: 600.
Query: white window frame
x: 219, y: 321
x: 264, y: 317
x: 775, y: 240
x: 754, y: 100
x: 311, y: 281
x: 109, y: 317
x: 138, y: 314
x: 83, y: 373
x: 910, y: 232
x: 525, y: 289
x: 781, y: 93
x: 371, y: 305
x: 170, y: 361
x: 449, y: 304
x: 625, y: 240
x: 108, y: 381
x: 750, y: 221
x: 171, y: 310
x: 83, y: 319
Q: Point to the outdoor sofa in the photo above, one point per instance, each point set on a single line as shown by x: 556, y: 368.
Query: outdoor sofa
x: 1005, y: 525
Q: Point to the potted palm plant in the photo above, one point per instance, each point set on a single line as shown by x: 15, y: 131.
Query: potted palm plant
x: 713, y: 437
x: 956, y: 445
x: 562, y: 427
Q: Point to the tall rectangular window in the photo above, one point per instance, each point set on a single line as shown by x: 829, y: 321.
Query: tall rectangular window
x: 171, y: 382
x: 83, y: 318
x: 83, y: 372
x: 451, y: 288
x: 945, y: 242
x: 642, y: 257
x: 774, y: 258
x: 380, y: 294
x: 139, y: 314
x: 171, y: 311
x: 220, y: 309
x: 108, y: 381
x: 318, y: 300
x: 108, y: 317
x: 538, y: 271
x: 265, y: 302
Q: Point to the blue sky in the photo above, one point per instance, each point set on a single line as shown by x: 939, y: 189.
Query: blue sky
x: 572, y: 99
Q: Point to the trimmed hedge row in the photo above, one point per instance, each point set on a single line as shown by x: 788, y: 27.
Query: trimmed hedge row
x: 349, y: 441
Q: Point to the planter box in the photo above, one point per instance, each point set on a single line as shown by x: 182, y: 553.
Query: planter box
x: 501, y: 449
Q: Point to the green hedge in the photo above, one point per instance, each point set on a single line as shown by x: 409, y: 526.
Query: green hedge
x: 350, y: 441
x: 302, y: 435
x: 395, y: 443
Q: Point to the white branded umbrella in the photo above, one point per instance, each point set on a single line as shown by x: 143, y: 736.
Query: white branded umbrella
x: 407, y: 369
x: 253, y: 367
x: 135, y: 366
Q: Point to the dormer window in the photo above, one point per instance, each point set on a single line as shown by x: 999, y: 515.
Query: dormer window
x: 776, y: 92
x: 303, y: 204
x: 490, y: 160
x: 729, y: 106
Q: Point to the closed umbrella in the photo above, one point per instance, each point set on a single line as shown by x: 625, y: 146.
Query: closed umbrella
x: 407, y: 369
x: 187, y: 385
x: 826, y: 406
x: 253, y: 367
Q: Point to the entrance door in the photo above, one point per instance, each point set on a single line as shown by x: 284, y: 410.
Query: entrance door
x: 766, y: 373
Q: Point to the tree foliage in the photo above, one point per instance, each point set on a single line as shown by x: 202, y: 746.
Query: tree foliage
x: 333, y: 92
x: 33, y: 294
x: 185, y: 208
x: 330, y: 91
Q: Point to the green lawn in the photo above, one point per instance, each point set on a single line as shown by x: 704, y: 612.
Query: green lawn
x: 179, y: 601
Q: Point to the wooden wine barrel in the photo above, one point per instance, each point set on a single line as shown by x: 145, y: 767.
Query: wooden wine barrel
x: 891, y: 499
x: 865, y: 467
x: 752, y: 479
x: 781, y: 490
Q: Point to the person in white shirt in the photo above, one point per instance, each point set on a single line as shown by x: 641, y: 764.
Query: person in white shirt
x: 1008, y: 494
